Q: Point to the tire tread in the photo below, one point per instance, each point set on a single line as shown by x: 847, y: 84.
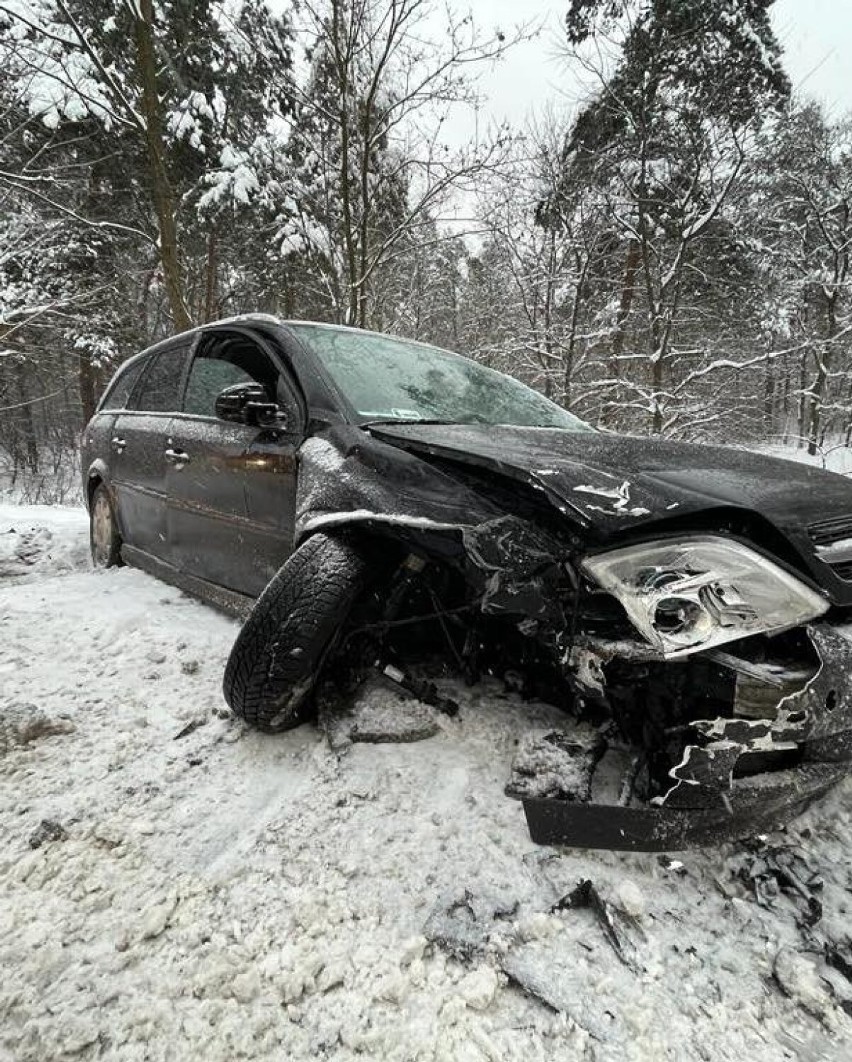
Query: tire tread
x: 276, y: 657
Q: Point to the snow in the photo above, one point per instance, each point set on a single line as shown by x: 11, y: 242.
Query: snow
x: 620, y: 495
x: 842, y: 545
x: 835, y: 455
x: 236, y: 178
x: 227, y: 894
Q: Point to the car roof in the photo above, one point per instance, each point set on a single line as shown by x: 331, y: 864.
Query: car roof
x: 257, y: 318
x: 271, y: 319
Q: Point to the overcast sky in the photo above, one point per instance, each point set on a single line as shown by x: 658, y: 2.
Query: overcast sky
x: 816, y: 35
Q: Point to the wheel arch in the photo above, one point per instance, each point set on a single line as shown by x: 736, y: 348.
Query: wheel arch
x: 98, y: 474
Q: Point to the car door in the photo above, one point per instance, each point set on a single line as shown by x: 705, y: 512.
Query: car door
x: 139, y: 443
x: 231, y: 487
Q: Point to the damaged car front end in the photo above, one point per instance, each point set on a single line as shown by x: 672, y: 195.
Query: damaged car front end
x: 710, y: 669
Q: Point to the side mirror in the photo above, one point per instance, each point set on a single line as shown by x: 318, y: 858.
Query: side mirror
x: 246, y: 403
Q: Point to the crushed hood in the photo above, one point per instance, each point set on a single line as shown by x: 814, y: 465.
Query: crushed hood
x: 613, y: 483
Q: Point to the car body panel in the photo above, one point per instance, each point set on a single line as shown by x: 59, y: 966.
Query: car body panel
x: 347, y: 477
x: 138, y: 477
x: 231, y: 504
x: 620, y: 488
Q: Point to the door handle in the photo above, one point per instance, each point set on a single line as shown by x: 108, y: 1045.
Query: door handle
x: 118, y: 443
x: 177, y: 457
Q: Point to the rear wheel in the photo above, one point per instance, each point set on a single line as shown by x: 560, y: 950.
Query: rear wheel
x: 276, y: 659
x: 104, y: 537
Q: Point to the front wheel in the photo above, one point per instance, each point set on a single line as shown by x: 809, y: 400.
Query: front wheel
x: 276, y: 659
x: 104, y: 538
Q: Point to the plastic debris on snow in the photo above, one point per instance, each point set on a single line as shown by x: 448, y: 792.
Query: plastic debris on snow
x: 770, y: 870
x: 462, y: 925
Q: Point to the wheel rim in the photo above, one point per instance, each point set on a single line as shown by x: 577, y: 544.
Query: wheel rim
x: 101, y: 531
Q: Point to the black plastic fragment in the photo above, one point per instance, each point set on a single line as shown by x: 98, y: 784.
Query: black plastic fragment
x: 427, y: 692
x: 613, y: 922
x: 773, y: 869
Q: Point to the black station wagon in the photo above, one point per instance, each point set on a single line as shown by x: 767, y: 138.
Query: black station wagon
x: 371, y: 502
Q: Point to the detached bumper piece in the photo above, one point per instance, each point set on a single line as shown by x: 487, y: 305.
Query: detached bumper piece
x: 724, y: 788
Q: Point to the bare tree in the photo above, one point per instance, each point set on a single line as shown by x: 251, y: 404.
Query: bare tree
x: 387, y: 74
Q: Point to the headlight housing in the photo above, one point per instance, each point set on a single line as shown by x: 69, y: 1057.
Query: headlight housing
x: 694, y: 593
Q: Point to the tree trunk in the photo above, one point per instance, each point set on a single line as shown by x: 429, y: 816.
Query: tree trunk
x: 26, y: 419
x: 88, y: 386
x: 210, y: 277
x: 803, y: 402
x: 818, y: 389
x: 625, y: 303
x: 342, y: 59
x: 165, y: 207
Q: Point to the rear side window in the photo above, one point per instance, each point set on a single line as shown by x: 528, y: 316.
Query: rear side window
x: 159, y: 391
x: 119, y: 390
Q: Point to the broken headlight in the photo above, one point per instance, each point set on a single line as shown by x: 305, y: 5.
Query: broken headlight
x: 695, y: 593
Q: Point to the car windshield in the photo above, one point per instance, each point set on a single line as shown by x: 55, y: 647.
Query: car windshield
x: 387, y: 379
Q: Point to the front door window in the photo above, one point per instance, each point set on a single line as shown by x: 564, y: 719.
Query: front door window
x: 219, y: 364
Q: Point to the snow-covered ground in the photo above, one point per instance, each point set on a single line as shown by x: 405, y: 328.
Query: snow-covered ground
x: 204, y: 891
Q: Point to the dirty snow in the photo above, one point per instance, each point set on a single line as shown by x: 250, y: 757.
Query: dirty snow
x: 225, y: 894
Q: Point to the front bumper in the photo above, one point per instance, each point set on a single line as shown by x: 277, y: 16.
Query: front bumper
x: 718, y: 792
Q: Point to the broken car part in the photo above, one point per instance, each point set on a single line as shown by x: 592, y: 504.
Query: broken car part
x: 737, y: 775
x: 702, y: 592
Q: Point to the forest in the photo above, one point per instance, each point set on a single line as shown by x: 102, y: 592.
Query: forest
x: 667, y: 254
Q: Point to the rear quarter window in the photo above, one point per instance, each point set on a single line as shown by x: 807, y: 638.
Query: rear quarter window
x: 117, y: 394
x: 160, y: 388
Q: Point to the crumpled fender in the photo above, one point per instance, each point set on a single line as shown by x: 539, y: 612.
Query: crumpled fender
x: 348, y: 478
